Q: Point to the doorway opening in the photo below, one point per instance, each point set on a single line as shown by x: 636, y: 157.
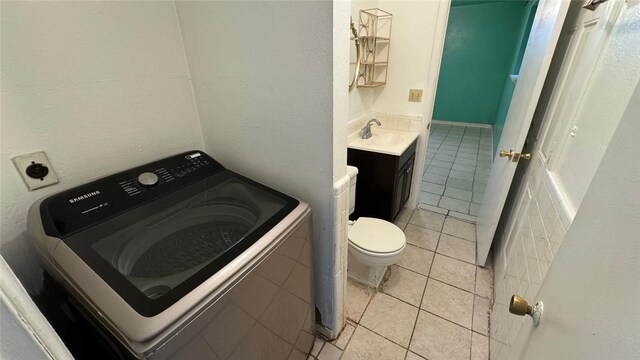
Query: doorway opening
x: 456, y: 170
x: 484, y: 46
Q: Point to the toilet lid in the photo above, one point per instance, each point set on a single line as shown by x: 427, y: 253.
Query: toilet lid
x: 376, y: 235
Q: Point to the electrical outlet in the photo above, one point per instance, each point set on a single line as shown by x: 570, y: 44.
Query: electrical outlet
x: 415, y: 95
x: 36, y: 170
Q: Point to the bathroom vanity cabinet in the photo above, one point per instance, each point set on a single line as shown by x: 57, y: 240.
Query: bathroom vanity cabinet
x: 384, y: 182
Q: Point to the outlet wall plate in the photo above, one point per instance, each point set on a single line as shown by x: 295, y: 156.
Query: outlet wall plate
x: 415, y: 95
x: 22, y: 162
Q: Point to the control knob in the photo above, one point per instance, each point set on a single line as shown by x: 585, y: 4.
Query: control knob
x: 148, y: 179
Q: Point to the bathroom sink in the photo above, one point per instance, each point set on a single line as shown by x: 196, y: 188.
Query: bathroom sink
x: 391, y: 142
x: 387, y: 139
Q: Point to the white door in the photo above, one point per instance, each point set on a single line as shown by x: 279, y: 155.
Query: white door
x: 570, y: 147
x: 590, y: 292
x: 535, y: 64
x: 591, y: 81
x: 560, y: 144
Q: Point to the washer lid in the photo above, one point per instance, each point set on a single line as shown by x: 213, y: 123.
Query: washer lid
x: 376, y: 235
x: 153, y: 255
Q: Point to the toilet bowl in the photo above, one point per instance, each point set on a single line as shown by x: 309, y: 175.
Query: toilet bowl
x: 374, y: 244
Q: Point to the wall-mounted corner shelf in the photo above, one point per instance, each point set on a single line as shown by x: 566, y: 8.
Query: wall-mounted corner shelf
x: 375, y: 39
x: 371, y: 84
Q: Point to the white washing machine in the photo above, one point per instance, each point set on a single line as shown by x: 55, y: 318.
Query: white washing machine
x: 184, y: 259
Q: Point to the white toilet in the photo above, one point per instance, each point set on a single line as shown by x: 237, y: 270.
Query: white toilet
x: 374, y: 244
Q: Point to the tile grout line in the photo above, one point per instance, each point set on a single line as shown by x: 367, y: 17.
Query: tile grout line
x: 475, y: 177
x: 447, y: 176
x: 445, y: 319
x: 404, y: 301
x: 386, y: 338
x: 458, y: 237
x: 451, y: 257
x: 321, y: 346
x: 415, y: 323
x: 473, y: 313
x: 413, y: 271
x: 459, y: 288
x: 382, y: 291
x: 423, y: 227
x: 473, y: 293
x: 475, y: 167
x: 428, y: 278
x: 474, y: 174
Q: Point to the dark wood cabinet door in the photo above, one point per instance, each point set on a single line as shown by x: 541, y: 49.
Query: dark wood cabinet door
x: 384, y: 182
x: 401, y: 179
x: 406, y: 192
x: 403, y: 186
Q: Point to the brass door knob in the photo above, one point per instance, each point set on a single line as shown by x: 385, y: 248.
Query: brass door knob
x: 519, y: 306
x: 504, y: 153
x: 515, y: 156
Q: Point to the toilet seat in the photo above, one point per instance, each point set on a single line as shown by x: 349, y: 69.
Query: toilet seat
x: 376, y: 236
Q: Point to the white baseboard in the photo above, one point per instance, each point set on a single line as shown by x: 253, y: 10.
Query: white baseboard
x: 457, y: 123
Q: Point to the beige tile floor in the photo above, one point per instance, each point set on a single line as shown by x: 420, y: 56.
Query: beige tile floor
x: 457, y: 169
x: 434, y: 305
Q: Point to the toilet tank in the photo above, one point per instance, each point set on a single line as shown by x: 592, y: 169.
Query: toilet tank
x: 352, y: 171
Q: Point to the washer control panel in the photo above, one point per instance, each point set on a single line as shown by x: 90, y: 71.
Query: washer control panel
x: 82, y: 206
x: 182, y: 167
x: 148, y: 179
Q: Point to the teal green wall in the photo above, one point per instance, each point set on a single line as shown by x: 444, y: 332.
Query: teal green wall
x: 501, y: 116
x: 509, y: 86
x: 478, y: 56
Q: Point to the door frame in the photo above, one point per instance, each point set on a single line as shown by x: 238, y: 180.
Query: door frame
x: 551, y: 18
x: 435, y: 60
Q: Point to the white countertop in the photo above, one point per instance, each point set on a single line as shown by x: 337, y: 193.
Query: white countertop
x: 384, y: 141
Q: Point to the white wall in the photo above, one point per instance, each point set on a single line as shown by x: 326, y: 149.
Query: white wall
x: 25, y: 332
x: 340, y: 202
x: 361, y: 101
x: 414, y: 33
x: 419, y: 30
x: 18, y: 342
x: 263, y: 79
x: 98, y: 86
x: 341, y: 51
x: 414, y: 30
x: 417, y: 38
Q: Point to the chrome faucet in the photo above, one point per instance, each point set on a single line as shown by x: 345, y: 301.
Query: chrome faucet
x: 366, y: 131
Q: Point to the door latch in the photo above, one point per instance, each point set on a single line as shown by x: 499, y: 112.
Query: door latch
x: 515, y: 156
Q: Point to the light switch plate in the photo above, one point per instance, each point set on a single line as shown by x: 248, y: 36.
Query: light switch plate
x: 22, y: 162
x: 415, y: 95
